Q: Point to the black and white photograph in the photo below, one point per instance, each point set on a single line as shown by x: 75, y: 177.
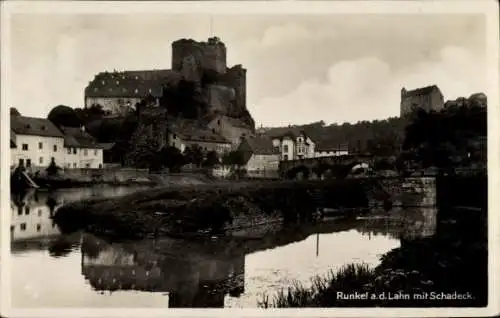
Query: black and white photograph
x: 306, y: 155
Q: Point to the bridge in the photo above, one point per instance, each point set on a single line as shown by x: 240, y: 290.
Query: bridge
x: 312, y: 168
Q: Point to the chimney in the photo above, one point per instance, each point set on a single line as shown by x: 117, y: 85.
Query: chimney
x: 403, y: 91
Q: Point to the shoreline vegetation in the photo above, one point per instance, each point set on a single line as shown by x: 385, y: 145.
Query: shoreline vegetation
x: 445, y: 270
x: 208, y: 209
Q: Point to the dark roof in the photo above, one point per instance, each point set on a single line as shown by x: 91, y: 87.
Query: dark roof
x: 191, y: 130
x: 131, y: 83
x: 422, y: 91
x: 261, y: 145
x: 33, y: 126
x: 76, y: 137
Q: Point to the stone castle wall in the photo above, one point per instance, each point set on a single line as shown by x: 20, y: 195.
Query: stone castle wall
x: 210, y: 55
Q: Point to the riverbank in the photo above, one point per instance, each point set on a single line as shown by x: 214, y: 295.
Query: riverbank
x: 210, y: 208
x: 429, y: 272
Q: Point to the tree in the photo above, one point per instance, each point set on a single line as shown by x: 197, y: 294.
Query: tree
x: 14, y: 112
x: 172, y: 158
x: 211, y: 160
x: 194, y: 155
x: 62, y: 115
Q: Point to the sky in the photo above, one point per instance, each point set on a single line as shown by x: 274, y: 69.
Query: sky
x: 300, y: 68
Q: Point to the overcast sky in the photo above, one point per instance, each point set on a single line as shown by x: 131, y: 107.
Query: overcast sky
x: 301, y: 68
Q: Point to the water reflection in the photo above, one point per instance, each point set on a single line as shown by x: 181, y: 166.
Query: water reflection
x: 228, y: 272
x: 402, y: 224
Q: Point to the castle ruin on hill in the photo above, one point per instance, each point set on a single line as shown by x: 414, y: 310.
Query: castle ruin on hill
x: 198, y: 85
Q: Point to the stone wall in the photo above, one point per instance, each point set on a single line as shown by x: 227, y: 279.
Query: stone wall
x: 106, y: 175
x: 407, y: 192
x: 209, y: 55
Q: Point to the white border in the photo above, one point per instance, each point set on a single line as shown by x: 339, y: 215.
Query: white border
x: 488, y: 8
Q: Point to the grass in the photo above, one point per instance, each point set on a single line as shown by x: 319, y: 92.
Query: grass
x: 299, y: 296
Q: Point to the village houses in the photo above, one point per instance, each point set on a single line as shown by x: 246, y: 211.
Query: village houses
x: 261, y: 158
x: 186, y: 133
x: 81, y: 149
x: 35, y: 142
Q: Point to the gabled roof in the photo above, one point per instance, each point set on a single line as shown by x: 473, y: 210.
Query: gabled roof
x: 131, y: 83
x: 257, y: 145
x: 76, y: 137
x: 22, y: 125
x: 190, y: 130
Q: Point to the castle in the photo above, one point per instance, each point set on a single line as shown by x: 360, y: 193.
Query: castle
x: 202, y: 65
x: 198, y: 86
x: 427, y: 98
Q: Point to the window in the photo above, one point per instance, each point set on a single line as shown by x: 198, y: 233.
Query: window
x: 74, y: 164
x: 40, y: 160
x: 96, y: 152
x: 38, y: 227
x: 39, y: 212
x: 28, y: 163
x: 19, y: 211
x: 218, y: 122
x: 285, y: 148
x: 103, y: 82
x: 27, y: 210
x: 25, y: 147
x: 55, y: 148
x: 87, y: 165
x: 74, y: 151
x: 136, y: 91
x: 85, y: 152
x: 175, y: 136
x: 285, y: 157
x: 21, y: 162
x: 69, y: 151
x: 23, y: 226
x: 40, y: 145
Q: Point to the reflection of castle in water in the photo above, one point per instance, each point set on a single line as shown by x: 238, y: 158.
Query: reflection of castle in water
x: 406, y: 224
x: 191, y: 279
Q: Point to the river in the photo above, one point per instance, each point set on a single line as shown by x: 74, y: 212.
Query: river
x: 50, y: 269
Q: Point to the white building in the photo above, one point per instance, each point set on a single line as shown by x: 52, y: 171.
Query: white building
x: 81, y: 150
x: 340, y: 150
x: 293, y: 146
x: 34, y: 142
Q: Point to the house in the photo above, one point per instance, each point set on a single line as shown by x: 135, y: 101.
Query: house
x: 186, y: 133
x: 294, y: 145
x: 260, y: 156
x: 36, y: 142
x: 427, y: 98
x: 81, y: 150
x: 230, y: 128
x: 329, y: 151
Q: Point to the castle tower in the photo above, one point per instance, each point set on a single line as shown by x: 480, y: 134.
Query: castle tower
x: 210, y: 55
